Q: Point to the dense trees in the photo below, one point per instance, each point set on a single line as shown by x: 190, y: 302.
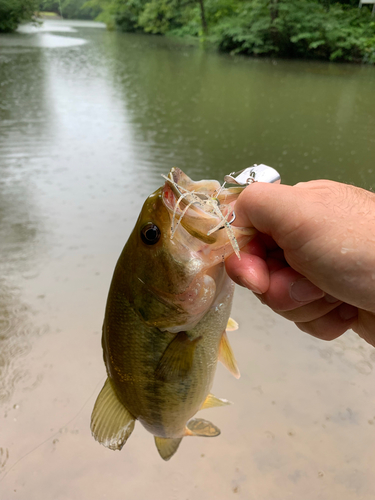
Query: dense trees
x: 299, y: 28
x: 12, y: 12
x: 321, y: 29
x: 70, y: 9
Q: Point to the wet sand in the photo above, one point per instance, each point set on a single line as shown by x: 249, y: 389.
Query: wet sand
x: 302, y: 424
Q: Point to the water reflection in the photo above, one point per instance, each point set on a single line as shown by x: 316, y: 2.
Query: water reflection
x: 85, y: 132
x: 39, y: 36
x: 22, y: 112
x: 210, y: 114
x: 19, y: 242
x: 17, y: 334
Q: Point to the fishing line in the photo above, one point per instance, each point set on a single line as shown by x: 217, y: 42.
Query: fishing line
x: 53, y: 435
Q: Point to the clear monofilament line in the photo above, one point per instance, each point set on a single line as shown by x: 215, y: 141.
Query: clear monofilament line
x: 208, y: 204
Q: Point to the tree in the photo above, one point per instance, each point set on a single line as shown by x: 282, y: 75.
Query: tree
x: 13, y: 12
x: 203, y: 17
x: 333, y: 30
x: 70, y: 9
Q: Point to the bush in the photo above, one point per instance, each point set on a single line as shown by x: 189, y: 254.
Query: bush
x: 127, y: 13
x: 13, y: 12
x: 156, y: 16
x: 298, y: 28
x: 248, y: 32
x: 71, y: 9
x: 316, y: 29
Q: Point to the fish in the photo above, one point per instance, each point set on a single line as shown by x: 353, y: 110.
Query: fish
x: 166, y: 317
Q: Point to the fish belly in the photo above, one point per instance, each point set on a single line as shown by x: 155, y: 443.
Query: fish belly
x: 132, y: 353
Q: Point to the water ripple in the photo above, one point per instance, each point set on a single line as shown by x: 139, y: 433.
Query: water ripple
x: 17, y: 333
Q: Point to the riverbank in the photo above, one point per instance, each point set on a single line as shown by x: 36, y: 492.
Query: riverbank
x: 49, y: 16
x: 283, y: 28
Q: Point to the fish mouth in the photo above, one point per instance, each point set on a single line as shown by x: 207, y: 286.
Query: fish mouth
x: 205, y: 209
x: 196, y: 205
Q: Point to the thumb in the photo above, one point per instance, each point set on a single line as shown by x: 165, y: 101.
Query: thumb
x: 268, y: 208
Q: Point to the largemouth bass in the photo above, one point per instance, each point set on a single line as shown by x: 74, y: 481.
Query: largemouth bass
x: 166, y: 316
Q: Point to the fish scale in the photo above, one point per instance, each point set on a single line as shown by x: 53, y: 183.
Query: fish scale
x: 166, y: 315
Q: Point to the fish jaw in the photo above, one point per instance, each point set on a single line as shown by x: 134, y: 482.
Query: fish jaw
x: 173, y: 283
x: 203, y: 209
x: 165, y: 282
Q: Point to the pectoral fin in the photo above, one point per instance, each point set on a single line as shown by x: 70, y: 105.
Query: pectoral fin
x: 167, y: 447
x: 177, y: 359
x: 201, y: 427
x: 226, y: 356
x: 232, y: 325
x: 212, y: 401
x: 111, y: 423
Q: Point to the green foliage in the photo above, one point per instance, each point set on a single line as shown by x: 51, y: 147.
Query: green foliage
x: 120, y: 14
x: 13, y: 12
x: 219, y: 9
x: 248, y: 31
x: 334, y: 30
x: 71, y: 9
x: 104, y: 9
x: 189, y: 21
x: 162, y: 16
x: 157, y: 15
x: 298, y: 28
x: 350, y: 3
x: 313, y: 32
x: 127, y: 13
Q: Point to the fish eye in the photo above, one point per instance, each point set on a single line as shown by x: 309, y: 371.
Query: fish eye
x: 150, y: 234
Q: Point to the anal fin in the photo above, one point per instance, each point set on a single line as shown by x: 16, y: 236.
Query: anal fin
x: 111, y: 423
x: 167, y: 447
x: 177, y: 360
x: 226, y: 356
x: 201, y: 427
x: 212, y: 401
x: 232, y: 325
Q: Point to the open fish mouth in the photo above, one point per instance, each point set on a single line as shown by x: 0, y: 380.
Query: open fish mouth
x: 203, y: 208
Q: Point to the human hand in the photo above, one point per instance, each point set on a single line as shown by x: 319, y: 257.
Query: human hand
x: 313, y: 261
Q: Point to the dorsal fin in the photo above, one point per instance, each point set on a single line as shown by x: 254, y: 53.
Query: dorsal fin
x: 232, y: 325
x: 111, y: 423
x: 177, y: 360
x: 226, y: 356
x: 212, y: 401
x: 167, y: 447
x: 201, y: 427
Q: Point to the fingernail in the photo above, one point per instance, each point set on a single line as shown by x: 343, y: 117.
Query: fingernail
x: 247, y: 284
x: 304, y: 291
x: 330, y: 299
x: 346, y: 312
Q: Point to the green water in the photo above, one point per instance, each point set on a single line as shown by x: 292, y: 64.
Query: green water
x: 89, y: 120
x: 173, y: 104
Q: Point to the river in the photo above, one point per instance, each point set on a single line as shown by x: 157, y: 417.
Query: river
x: 89, y: 120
